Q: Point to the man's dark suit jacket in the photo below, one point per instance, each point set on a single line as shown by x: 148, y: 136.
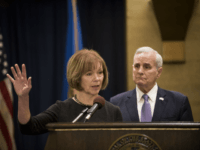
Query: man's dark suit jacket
x: 170, y: 106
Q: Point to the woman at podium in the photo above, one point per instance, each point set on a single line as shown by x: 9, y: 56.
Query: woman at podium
x: 86, y: 74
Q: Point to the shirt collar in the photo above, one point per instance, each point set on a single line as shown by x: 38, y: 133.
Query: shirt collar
x: 152, y: 93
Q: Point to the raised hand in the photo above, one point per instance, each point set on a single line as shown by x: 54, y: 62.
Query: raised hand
x: 21, y: 84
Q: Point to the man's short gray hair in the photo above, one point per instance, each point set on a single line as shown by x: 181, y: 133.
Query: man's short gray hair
x: 159, y: 60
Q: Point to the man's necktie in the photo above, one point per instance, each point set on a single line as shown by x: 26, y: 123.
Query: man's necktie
x: 146, y: 110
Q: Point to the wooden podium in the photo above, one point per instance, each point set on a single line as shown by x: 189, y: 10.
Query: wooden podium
x: 124, y: 136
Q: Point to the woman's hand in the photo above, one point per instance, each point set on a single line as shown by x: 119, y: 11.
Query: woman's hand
x: 21, y: 84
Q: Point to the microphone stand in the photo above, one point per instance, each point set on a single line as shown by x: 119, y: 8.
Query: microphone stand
x: 91, y: 111
x: 80, y: 115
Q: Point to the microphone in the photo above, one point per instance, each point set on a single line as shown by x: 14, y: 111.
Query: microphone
x: 80, y: 115
x: 99, y: 102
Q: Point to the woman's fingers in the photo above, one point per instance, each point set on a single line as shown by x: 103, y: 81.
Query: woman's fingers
x: 17, y: 74
x: 11, y: 79
x: 18, y: 70
x: 29, y: 82
x: 14, y: 73
x: 24, y: 71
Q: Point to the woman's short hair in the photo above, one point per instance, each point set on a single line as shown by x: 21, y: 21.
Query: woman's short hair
x: 80, y: 63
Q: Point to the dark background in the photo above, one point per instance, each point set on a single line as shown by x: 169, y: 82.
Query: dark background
x: 34, y: 33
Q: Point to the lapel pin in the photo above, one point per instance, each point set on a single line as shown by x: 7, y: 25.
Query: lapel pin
x: 161, y: 98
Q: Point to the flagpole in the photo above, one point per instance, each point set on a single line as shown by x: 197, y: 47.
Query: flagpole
x: 73, y: 42
x: 75, y: 24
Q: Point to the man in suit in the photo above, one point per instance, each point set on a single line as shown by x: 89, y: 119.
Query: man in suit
x: 148, y: 102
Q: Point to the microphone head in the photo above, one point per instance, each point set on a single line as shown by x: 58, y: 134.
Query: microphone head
x: 100, y: 100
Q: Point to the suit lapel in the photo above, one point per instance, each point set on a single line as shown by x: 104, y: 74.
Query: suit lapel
x: 131, y: 105
x: 161, y: 102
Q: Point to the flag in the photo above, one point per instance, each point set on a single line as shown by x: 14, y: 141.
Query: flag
x: 70, y: 48
x: 6, y: 104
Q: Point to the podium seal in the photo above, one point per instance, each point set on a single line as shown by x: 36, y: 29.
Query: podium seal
x: 135, y: 141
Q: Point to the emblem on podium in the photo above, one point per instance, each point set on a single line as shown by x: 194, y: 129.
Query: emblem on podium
x: 135, y: 141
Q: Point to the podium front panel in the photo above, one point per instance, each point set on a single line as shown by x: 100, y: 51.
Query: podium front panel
x: 119, y: 136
